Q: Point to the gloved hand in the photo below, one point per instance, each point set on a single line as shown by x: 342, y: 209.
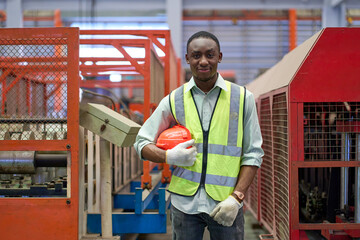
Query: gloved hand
x: 226, y: 211
x: 180, y: 155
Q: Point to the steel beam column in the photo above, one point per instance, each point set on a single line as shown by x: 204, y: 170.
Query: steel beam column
x: 333, y: 15
x: 14, y: 16
x: 174, y: 12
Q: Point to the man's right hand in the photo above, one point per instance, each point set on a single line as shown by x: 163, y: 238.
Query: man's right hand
x: 180, y: 155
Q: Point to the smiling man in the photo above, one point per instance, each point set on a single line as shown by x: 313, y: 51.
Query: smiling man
x: 215, y: 168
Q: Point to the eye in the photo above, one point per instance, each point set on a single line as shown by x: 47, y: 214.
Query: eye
x: 211, y: 55
x: 196, y: 56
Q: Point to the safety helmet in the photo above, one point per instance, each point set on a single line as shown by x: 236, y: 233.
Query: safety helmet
x: 173, y: 136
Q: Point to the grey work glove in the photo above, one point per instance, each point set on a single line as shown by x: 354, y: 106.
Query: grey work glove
x: 226, y: 211
x: 180, y: 155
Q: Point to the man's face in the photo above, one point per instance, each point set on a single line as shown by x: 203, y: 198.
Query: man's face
x: 203, y: 55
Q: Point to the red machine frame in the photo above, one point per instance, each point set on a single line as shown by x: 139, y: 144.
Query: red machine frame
x: 45, y: 218
x: 325, y: 68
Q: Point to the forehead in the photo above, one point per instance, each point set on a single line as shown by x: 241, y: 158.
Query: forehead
x: 202, y: 44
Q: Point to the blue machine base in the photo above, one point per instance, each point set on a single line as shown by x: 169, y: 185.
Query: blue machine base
x: 134, y: 218
x: 130, y: 223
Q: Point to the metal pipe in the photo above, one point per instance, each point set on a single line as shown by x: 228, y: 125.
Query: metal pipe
x: 20, y: 162
x: 25, y: 162
x: 344, y: 184
x: 357, y: 182
x: 106, y: 195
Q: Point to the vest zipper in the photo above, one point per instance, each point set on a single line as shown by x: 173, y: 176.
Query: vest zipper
x: 205, y: 155
x: 205, y: 139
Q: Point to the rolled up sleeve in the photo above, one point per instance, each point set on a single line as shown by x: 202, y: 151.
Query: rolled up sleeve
x: 160, y: 120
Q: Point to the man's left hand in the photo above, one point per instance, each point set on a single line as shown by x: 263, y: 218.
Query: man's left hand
x: 226, y: 211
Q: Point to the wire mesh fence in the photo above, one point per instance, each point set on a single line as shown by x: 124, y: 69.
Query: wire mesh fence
x: 281, y: 165
x: 267, y: 187
x: 33, y: 89
x: 330, y: 128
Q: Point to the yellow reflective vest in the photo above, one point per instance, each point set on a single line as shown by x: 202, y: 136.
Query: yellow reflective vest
x: 219, y: 149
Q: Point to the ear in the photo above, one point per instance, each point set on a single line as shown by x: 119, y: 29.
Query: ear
x: 220, y: 57
x: 187, y: 58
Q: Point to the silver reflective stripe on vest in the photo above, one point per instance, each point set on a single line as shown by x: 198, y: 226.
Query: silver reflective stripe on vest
x: 179, y: 105
x: 187, y: 174
x: 210, y: 179
x: 234, y: 115
x: 220, y: 180
x: 232, y: 151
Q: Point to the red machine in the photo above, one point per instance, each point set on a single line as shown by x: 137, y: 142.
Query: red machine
x: 308, y: 107
x: 39, y: 73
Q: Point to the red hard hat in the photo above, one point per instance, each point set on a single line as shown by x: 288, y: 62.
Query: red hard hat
x: 173, y: 136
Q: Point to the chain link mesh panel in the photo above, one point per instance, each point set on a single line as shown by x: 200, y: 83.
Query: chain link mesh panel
x: 33, y: 84
x: 267, y: 189
x: 281, y: 165
x: 327, y: 126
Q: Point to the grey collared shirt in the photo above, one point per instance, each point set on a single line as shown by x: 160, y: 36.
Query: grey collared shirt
x: 162, y: 119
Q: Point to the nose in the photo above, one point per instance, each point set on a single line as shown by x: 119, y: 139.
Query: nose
x: 203, y: 61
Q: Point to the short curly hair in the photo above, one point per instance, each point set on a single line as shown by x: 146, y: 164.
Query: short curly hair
x: 203, y: 34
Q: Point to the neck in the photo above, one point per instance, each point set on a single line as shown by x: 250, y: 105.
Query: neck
x: 206, y: 86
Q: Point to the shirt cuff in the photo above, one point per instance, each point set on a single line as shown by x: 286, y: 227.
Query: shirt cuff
x: 251, y: 161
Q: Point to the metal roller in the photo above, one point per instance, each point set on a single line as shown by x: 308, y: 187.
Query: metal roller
x: 17, y: 162
x: 50, y: 159
x: 26, y: 162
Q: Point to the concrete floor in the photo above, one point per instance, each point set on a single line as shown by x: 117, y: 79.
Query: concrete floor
x: 252, y: 231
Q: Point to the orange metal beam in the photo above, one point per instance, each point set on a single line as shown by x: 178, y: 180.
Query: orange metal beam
x: 138, y: 67
x: 246, y: 15
x: 102, y: 68
x: 125, y: 42
x: 57, y: 18
x: 12, y: 84
x: 2, y: 15
x: 4, y: 75
x: 292, y: 29
x: 107, y: 59
x: 157, y: 43
x: 55, y: 90
x: 108, y: 84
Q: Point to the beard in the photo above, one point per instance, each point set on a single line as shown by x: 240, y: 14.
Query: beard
x: 205, y: 78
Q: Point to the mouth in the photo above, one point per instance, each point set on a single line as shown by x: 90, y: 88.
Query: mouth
x: 203, y: 70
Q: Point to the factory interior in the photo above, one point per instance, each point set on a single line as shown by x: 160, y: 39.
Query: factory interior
x: 79, y: 78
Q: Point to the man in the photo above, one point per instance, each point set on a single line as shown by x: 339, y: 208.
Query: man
x: 215, y: 168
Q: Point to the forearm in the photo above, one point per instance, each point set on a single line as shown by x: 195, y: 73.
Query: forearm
x: 226, y: 211
x: 152, y: 153
x: 246, y: 176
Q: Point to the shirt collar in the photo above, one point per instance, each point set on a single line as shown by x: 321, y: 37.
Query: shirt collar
x: 220, y: 82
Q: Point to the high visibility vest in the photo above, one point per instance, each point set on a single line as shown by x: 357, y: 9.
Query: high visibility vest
x: 219, y: 148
